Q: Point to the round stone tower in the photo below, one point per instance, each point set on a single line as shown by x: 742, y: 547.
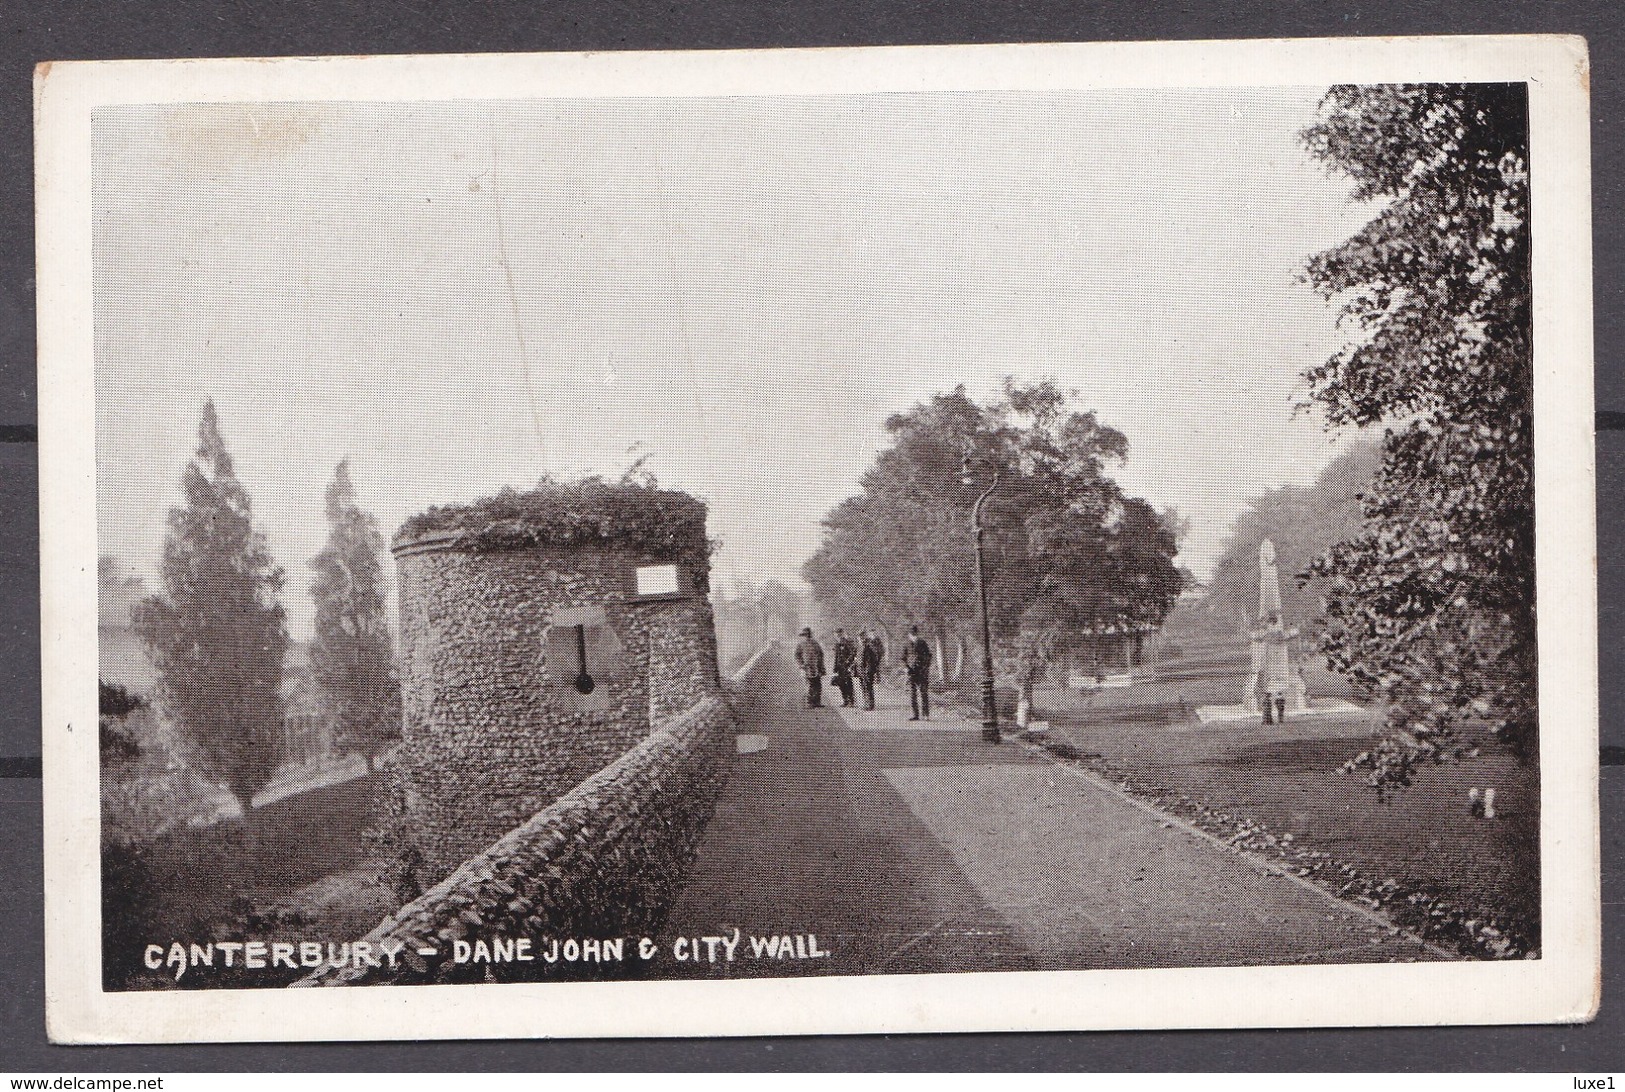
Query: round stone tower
x: 542, y: 635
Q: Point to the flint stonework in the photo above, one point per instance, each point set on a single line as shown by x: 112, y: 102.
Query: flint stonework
x: 494, y: 729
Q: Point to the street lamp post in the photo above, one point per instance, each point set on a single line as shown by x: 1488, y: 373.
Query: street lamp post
x: 990, y: 709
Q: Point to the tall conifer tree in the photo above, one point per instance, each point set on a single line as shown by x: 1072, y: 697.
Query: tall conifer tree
x: 351, y: 656
x: 216, y: 633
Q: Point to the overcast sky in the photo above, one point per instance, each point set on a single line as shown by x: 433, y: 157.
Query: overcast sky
x: 461, y: 296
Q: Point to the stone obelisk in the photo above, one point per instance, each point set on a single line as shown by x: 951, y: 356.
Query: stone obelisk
x: 1272, y: 641
x: 1269, y: 583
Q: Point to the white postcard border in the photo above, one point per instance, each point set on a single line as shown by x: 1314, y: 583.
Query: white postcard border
x: 1564, y: 985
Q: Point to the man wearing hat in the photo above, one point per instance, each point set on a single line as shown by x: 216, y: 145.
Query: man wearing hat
x: 871, y: 655
x: 917, y: 657
x: 810, y: 655
x: 845, y: 653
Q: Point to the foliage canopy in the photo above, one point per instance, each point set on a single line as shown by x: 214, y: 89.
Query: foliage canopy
x: 1066, y: 550
x: 636, y: 514
x: 1432, y: 604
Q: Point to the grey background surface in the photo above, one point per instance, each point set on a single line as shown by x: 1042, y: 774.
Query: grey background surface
x: 189, y: 28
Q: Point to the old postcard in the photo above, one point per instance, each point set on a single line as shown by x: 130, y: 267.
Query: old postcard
x: 862, y: 540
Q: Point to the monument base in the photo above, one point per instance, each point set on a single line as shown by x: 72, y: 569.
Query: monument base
x: 1210, y: 714
x: 1104, y: 682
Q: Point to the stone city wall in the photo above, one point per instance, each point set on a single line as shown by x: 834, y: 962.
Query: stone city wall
x: 605, y: 861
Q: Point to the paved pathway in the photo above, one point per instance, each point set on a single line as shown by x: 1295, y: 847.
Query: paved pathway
x: 915, y: 846
x: 811, y: 837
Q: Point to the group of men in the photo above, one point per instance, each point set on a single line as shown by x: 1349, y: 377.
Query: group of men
x: 860, y: 660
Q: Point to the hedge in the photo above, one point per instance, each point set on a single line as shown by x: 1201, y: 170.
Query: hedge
x: 606, y: 860
x: 664, y: 523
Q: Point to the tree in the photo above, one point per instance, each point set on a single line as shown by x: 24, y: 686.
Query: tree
x: 1066, y: 551
x: 216, y: 634
x: 896, y: 550
x: 1432, y: 604
x: 352, y: 658
x: 1112, y: 579
x: 128, y: 899
x: 118, y: 742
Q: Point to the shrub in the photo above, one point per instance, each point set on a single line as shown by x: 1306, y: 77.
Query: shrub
x: 661, y: 522
x: 129, y: 910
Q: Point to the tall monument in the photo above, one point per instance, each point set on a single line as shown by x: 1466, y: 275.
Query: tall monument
x: 1273, y: 664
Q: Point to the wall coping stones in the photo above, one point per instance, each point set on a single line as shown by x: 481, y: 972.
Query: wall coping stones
x: 429, y: 542
x: 749, y: 666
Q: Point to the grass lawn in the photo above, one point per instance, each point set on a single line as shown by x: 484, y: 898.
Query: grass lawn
x: 1286, y: 778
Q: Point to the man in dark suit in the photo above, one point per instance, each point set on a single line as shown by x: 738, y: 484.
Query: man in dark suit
x: 810, y: 656
x: 917, y: 657
x: 845, y: 653
x: 871, y: 655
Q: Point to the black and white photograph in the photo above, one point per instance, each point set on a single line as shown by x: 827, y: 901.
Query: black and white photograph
x: 966, y: 538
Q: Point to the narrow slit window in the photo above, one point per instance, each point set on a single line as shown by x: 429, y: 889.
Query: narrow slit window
x: 584, y: 658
